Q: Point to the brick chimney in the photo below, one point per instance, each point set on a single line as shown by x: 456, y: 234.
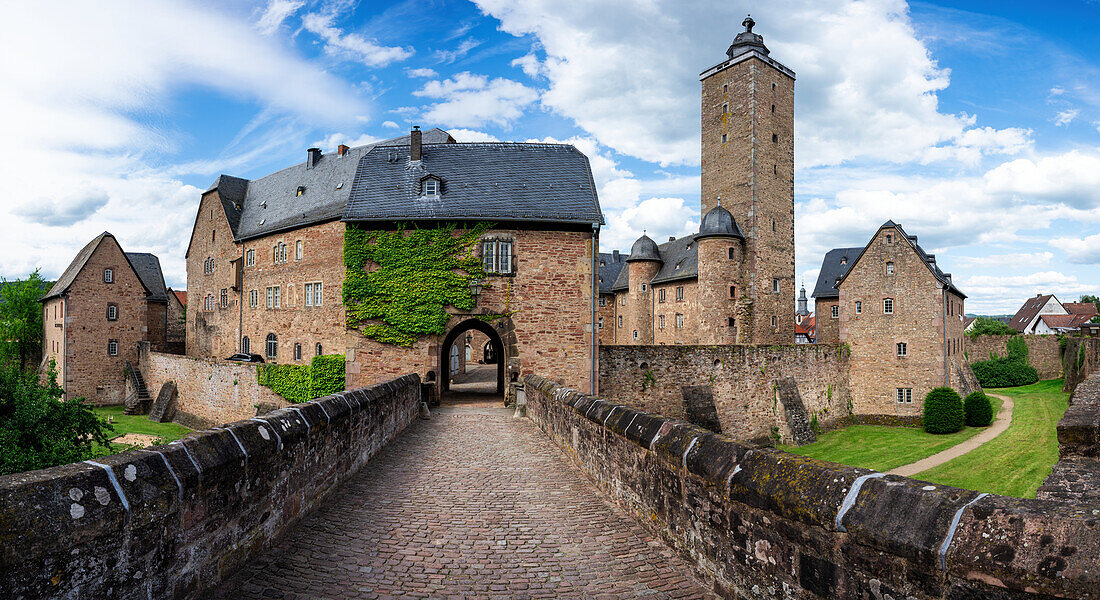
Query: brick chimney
x: 312, y: 156
x: 415, y: 140
x: 342, y: 149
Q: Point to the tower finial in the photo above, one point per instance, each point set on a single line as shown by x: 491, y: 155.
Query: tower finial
x: 748, y: 23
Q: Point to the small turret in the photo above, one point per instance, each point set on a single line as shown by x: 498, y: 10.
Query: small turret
x: 747, y: 41
x: 644, y: 249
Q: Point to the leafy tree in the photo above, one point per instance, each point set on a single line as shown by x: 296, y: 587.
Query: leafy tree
x: 38, y: 429
x: 21, y: 318
x: 943, y: 411
x: 990, y: 326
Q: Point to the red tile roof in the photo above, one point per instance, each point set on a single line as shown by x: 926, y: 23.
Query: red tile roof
x: 182, y: 296
x: 806, y: 327
x: 1027, y: 312
x: 1065, y: 321
x: 1081, y: 308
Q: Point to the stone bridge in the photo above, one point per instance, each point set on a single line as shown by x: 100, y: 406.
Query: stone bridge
x: 352, y: 496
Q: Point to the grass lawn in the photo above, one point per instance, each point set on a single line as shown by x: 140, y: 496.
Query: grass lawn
x: 124, y: 424
x: 1016, y: 462
x: 882, y: 448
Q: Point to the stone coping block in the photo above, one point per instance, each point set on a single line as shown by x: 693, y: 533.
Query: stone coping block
x: 759, y: 522
x: 173, y: 521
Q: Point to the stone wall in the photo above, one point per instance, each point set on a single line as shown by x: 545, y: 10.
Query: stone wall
x: 210, y: 392
x: 1076, y: 476
x: 743, y: 379
x: 1081, y: 359
x: 176, y: 520
x: 760, y: 523
x: 1043, y: 351
x: 212, y: 333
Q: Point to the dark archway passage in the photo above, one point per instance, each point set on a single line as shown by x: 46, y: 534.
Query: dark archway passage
x: 454, y: 345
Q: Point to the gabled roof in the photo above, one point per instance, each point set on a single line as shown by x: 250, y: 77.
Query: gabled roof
x: 834, y: 266
x: 147, y: 267
x: 1027, y: 312
x: 928, y: 259
x: 65, y: 281
x: 680, y: 262
x: 480, y: 181
x: 181, y: 296
x: 806, y: 327
x: 611, y: 264
x: 270, y: 203
x: 1080, y: 308
x: 1070, y: 321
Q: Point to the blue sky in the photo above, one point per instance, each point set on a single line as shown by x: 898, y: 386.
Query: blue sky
x: 974, y: 124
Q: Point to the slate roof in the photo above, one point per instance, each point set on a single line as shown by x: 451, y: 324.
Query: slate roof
x: 681, y: 262
x: 1027, y: 312
x: 147, y: 267
x: 479, y: 181
x: 145, y: 271
x: 834, y: 266
x: 270, y: 203
x: 928, y: 259
x: 611, y: 264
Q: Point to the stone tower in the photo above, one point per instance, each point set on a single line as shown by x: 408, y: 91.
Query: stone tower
x: 643, y: 264
x: 748, y: 169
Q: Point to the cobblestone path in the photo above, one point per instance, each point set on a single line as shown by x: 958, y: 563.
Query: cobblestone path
x: 470, y: 504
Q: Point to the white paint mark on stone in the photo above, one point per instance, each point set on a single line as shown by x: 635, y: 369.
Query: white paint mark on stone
x: 928, y: 488
x: 684, y: 459
x: 736, y: 470
x: 264, y: 434
x: 76, y: 510
x: 102, y: 495
x: 850, y: 499
x: 76, y: 494
x: 130, y: 472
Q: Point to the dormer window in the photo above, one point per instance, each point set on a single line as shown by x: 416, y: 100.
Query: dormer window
x: 430, y: 187
x: 301, y: 190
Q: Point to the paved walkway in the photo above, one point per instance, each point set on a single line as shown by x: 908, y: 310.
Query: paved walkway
x: 468, y: 504
x: 478, y: 379
x: 1000, y: 424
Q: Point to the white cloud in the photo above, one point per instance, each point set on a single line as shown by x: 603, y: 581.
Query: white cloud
x: 972, y: 144
x: 470, y: 100
x: 90, y: 121
x: 1066, y: 117
x: 390, y: 124
x: 352, y: 45
x: 529, y: 64
x: 1057, y: 90
x: 626, y: 72
x: 464, y: 47
x: 331, y: 141
x: 659, y: 218
x: 276, y: 12
x: 1085, y: 251
x: 1072, y: 178
x: 422, y: 72
x: 994, y: 293
x: 1012, y: 259
x: 469, y: 135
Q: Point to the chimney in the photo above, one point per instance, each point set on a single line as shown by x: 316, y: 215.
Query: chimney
x: 672, y: 238
x: 312, y: 156
x: 414, y: 143
x: 615, y: 255
x: 342, y: 149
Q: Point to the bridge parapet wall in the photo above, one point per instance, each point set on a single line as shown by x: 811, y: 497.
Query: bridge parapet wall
x: 760, y: 523
x: 175, y: 520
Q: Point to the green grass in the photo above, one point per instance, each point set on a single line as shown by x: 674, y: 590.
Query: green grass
x: 124, y: 424
x: 1016, y: 462
x: 882, y: 448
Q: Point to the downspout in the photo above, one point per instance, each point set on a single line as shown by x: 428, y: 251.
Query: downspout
x: 943, y: 313
x: 240, y: 307
x: 595, y: 299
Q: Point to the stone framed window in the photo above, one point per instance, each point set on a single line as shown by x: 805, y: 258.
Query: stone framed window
x: 679, y: 293
x: 859, y: 307
x: 775, y: 285
x: 112, y: 312
x: 297, y: 351
x: 889, y: 268
x: 112, y: 347
x: 250, y: 258
x: 108, y: 275
x: 835, y: 313
x: 733, y: 292
x: 775, y: 322
x: 645, y: 287
x: 660, y: 322
x: 253, y: 298
x: 905, y: 395
x: 313, y: 293
x: 496, y: 256
x: 889, y: 239
x: 246, y: 345
x: 887, y: 306
x: 225, y: 298
x: 273, y: 297
x: 271, y: 347
x: 679, y: 321
x: 208, y: 302
x: 635, y: 334
x: 661, y: 295
x: 620, y: 320
x: 208, y: 265
x: 903, y: 349
x: 278, y: 253
x: 298, y: 248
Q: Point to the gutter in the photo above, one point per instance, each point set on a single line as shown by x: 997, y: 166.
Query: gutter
x: 595, y: 298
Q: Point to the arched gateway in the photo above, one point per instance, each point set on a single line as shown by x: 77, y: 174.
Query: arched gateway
x: 456, y: 336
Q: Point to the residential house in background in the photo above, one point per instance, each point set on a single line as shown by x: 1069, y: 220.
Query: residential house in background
x: 1045, y: 314
x: 804, y: 330
x: 901, y: 317
x: 105, y: 302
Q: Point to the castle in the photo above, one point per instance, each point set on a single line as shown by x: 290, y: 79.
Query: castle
x: 732, y: 282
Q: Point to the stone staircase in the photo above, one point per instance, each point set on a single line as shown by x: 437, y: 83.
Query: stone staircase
x: 138, y: 401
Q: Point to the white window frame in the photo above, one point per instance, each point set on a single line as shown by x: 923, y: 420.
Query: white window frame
x: 859, y: 307
x: 635, y: 334
x: 112, y: 347
x: 273, y: 296
x: 835, y: 312
x: 661, y: 295
x: 904, y: 395
x: 645, y: 286
x: 902, y: 349
x: 246, y: 345
x: 250, y: 258
x: 775, y: 285
x: 620, y: 320
x: 313, y: 293
x: 488, y: 255
x: 887, y: 306
x: 298, y: 248
x: 268, y: 342
x: 253, y: 298
x: 431, y: 187
x: 108, y: 275
x: 679, y: 321
x: 308, y: 293
x: 504, y: 256
x: 112, y: 312
x: 679, y: 293
x: 889, y: 267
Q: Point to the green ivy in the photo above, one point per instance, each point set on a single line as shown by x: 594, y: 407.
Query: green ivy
x: 302, y: 383
x: 398, y: 284
x: 648, y: 380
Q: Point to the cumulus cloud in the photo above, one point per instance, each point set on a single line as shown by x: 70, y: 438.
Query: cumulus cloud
x: 276, y: 12
x: 64, y: 212
x: 422, y: 72
x: 469, y: 100
x: 993, y: 293
x: 529, y: 64
x: 626, y: 72
x: 1066, y: 117
x: 1072, y: 178
x: 1085, y: 251
x: 330, y: 142
x: 352, y: 45
x: 470, y: 135
x: 390, y: 124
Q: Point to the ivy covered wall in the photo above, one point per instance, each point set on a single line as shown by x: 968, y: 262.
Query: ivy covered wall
x: 302, y: 383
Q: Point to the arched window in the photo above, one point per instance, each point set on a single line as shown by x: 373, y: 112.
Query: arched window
x: 272, y: 345
x: 318, y: 349
x: 246, y: 345
x: 297, y: 352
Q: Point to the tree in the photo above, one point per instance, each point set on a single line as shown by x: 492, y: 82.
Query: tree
x: 990, y: 326
x: 1095, y: 300
x: 38, y: 429
x: 21, y: 318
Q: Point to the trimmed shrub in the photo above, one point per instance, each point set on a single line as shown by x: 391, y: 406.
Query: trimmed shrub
x: 943, y: 411
x: 1009, y: 371
x: 979, y: 411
